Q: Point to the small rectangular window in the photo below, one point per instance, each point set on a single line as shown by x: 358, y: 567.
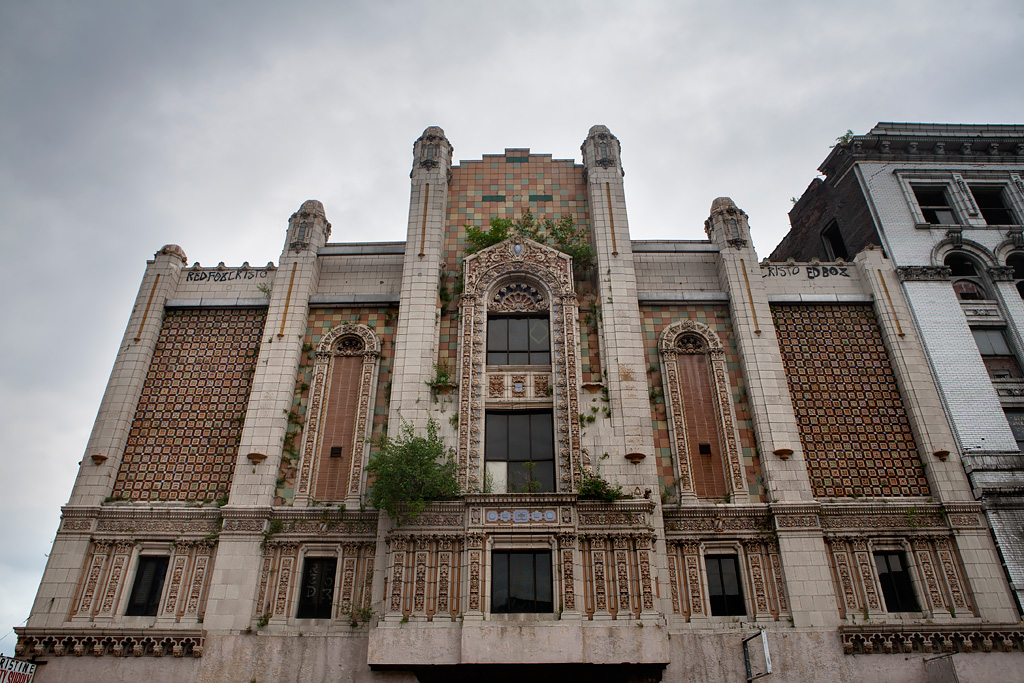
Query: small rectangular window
x: 724, y: 590
x: 149, y: 584
x: 518, y: 341
x: 521, y: 581
x: 895, y: 580
x: 317, y: 593
x: 934, y: 205
x: 992, y: 205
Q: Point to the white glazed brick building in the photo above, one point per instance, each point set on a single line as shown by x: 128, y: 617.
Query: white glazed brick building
x: 946, y: 203
x: 784, y: 454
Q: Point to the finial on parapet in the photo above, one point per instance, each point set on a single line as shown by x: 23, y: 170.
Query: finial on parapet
x: 727, y: 223
x: 308, y: 225
x: 601, y: 149
x: 432, y: 150
x: 172, y: 250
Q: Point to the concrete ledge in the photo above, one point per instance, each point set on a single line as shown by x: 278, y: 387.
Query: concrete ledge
x: 489, y: 642
x: 378, y: 298
x: 211, y: 302
x: 672, y: 245
x: 362, y: 249
x: 677, y: 296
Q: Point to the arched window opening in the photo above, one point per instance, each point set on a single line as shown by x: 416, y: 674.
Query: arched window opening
x: 704, y: 445
x: 1016, y: 261
x: 966, y: 281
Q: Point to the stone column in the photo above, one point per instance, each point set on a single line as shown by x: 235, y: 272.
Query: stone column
x: 419, y: 313
x: 236, y: 572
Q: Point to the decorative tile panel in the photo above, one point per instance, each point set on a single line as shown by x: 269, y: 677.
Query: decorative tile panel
x: 853, y: 426
x: 184, y: 438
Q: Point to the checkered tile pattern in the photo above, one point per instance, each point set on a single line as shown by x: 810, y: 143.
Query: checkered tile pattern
x: 506, y: 185
x: 184, y: 438
x: 853, y: 427
x: 382, y: 320
x: 655, y: 319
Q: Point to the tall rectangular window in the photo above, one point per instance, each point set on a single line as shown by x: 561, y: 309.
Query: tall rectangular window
x: 724, y: 590
x: 518, y: 341
x: 835, y: 248
x: 934, y: 205
x: 995, y: 352
x: 317, y: 594
x: 149, y: 584
x: 992, y: 205
x: 521, y: 581
x: 519, y: 452
x: 895, y: 580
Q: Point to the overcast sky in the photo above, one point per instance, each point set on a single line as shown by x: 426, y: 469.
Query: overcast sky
x: 128, y: 125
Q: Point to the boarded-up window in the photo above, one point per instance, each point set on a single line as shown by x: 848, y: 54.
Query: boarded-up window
x: 702, y: 432
x: 339, y: 429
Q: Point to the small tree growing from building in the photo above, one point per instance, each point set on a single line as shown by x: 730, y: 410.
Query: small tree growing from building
x: 410, y: 471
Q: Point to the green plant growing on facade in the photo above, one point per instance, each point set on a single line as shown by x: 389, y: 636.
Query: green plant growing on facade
x: 359, y: 616
x: 563, y: 235
x: 442, y: 376
x: 410, y: 471
x: 593, y: 487
x: 532, y: 484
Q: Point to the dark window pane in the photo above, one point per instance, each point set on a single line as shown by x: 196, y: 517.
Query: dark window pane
x: 897, y: 589
x: 518, y: 341
x: 518, y: 334
x: 317, y: 593
x: 519, y: 436
x: 497, y: 334
x: 499, y: 582
x: 993, y: 207
x: 496, y: 438
x: 724, y: 591
x: 521, y: 581
x: 149, y: 583
x: 541, y: 439
x: 961, y: 266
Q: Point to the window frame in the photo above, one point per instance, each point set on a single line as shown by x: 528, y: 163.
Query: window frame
x: 151, y: 606
x: 735, y: 604
x: 492, y: 338
x: 331, y: 576
x: 538, y: 607
x: 830, y: 236
x: 545, y: 416
x: 1001, y: 190
x: 921, y: 210
x: 990, y: 354
x: 908, y: 584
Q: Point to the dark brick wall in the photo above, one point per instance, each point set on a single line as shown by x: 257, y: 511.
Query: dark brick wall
x: 822, y: 202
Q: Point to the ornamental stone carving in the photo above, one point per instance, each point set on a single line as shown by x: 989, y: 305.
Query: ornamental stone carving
x: 923, y: 273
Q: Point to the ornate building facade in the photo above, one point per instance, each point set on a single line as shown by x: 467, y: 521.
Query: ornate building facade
x: 785, y: 461
x: 946, y: 204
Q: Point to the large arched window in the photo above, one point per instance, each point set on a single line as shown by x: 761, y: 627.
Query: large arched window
x: 967, y: 281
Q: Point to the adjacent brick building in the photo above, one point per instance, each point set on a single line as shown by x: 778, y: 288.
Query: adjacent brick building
x: 783, y: 451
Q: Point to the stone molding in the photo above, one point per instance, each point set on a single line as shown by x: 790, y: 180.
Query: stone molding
x: 899, y: 639
x: 923, y: 273
x: 38, y: 642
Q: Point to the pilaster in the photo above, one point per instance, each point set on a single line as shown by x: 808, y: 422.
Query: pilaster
x: 419, y: 314
x: 103, y: 454
x: 273, y: 383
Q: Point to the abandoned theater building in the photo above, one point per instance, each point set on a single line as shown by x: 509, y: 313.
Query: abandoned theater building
x: 820, y: 446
